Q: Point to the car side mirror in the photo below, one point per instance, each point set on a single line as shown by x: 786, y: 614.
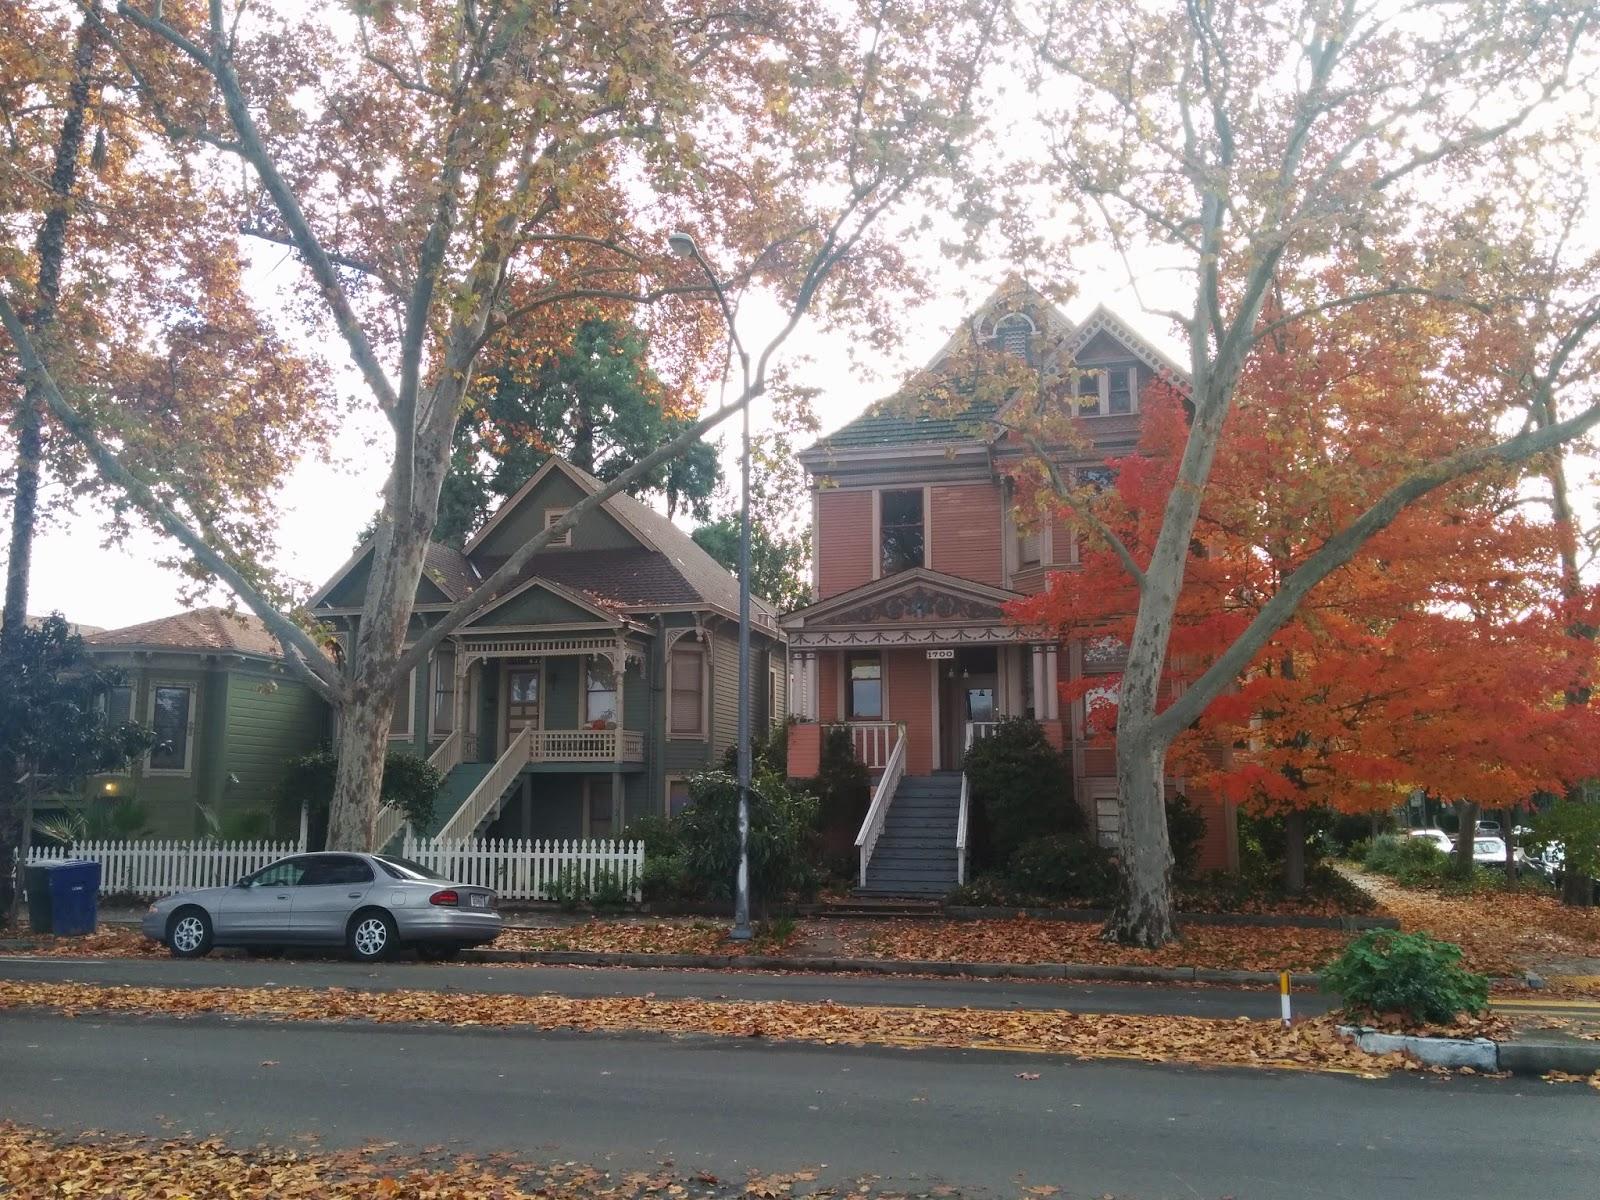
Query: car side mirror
x: 243, y: 883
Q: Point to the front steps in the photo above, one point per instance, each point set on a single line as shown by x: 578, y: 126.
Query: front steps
x: 916, y: 853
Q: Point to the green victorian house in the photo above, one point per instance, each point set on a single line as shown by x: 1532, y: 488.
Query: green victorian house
x: 584, y: 695
x: 226, y: 715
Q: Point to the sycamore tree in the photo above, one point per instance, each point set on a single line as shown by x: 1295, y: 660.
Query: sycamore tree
x: 1242, y: 146
x: 1438, y: 659
x: 449, y: 174
x: 119, y: 264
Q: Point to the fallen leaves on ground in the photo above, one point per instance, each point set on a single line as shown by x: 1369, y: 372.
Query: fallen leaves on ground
x: 661, y: 935
x: 1500, y: 932
x: 1026, y: 940
x: 109, y: 941
x: 1567, y: 1077
x: 35, y: 1162
x: 1239, y: 1042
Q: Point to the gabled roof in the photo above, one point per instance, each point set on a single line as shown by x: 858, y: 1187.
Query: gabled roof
x: 443, y: 566
x: 672, y: 570
x: 572, y: 596
x: 895, y: 421
x: 204, y: 629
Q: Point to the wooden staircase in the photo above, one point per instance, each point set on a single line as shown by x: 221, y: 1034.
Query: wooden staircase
x: 916, y: 855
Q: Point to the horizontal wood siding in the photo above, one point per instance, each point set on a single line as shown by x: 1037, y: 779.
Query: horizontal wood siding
x: 844, y: 541
x: 965, y: 532
x: 269, y: 721
x: 724, y: 691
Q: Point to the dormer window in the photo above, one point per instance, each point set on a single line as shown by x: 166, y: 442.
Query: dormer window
x: 1014, y: 335
x: 551, y: 516
x: 1107, y: 388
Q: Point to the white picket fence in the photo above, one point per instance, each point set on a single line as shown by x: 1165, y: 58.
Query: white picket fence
x: 523, y: 869
x: 158, y: 868
x: 516, y: 868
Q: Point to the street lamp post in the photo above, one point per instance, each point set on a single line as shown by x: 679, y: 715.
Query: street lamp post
x: 683, y: 245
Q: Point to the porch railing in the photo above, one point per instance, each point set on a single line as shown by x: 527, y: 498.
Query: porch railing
x: 586, y: 745
x: 882, y: 797
x: 485, y: 798
x: 873, y: 741
x: 961, y: 830
x: 978, y: 730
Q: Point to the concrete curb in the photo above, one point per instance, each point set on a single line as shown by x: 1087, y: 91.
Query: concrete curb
x: 885, y: 966
x: 1098, y: 916
x: 1481, y: 1054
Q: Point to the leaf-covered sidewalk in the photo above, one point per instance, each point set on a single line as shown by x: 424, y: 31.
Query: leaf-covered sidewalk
x: 1500, y: 933
x: 1313, y: 1044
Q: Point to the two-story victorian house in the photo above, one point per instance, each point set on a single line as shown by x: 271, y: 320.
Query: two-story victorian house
x: 582, y: 696
x: 917, y: 551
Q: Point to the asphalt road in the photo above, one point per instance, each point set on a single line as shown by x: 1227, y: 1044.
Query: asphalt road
x: 963, y: 1118
x: 626, y: 981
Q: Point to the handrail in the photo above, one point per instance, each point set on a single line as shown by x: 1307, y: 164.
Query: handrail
x: 882, y: 797
x: 871, y: 740
x: 481, y: 802
x: 446, y: 757
x: 961, y: 831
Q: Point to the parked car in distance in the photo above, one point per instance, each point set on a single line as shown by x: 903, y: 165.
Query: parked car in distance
x: 1438, y: 837
x: 1492, y: 827
x: 372, y: 904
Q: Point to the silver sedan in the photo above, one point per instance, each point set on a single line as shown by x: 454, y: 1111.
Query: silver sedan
x: 369, y: 903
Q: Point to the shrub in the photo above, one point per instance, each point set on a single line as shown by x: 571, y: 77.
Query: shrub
x: 568, y: 888
x: 1571, y: 825
x: 665, y: 877
x: 843, y: 788
x: 1412, y: 974
x: 1409, y: 860
x: 409, y: 784
x: 608, y: 892
x: 660, y: 835
x: 782, y: 837
x: 1062, y: 867
x: 1186, y: 829
x: 1021, y: 791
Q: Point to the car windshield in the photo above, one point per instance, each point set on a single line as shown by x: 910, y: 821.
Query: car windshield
x: 1491, y: 846
x: 404, y: 868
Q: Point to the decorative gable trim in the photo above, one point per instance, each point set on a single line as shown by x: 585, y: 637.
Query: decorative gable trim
x: 1103, y: 320
x: 916, y: 595
x: 576, y: 599
x: 327, y: 589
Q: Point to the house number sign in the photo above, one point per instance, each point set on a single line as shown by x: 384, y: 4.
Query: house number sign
x: 946, y: 653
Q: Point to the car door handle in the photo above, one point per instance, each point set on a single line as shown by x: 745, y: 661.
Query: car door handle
x: 281, y: 896
x: 354, y: 895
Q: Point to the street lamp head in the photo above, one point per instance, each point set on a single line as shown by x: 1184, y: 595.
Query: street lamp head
x: 681, y: 244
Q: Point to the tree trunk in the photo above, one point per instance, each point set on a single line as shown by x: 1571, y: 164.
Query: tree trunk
x: 1461, y: 861
x: 1294, y: 852
x: 1577, y: 890
x: 1142, y: 915
x: 362, y: 743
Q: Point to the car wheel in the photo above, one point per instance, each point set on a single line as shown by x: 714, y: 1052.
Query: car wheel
x: 372, y: 935
x: 189, y: 933
x: 435, y: 952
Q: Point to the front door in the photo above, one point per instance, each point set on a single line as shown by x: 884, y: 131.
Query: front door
x: 970, y: 696
x: 333, y: 887
x: 522, y: 700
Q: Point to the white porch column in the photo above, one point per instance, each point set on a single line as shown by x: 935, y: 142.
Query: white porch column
x: 1052, y: 704
x: 620, y: 674
x: 1039, y: 700
x: 797, y: 683
x: 813, y: 698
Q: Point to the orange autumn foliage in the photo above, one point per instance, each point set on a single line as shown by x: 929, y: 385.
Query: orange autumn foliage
x: 1438, y: 658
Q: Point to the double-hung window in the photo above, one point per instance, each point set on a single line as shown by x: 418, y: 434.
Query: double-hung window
x: 172, y: 722
x: 901, y: 536
x: 600, y: 694
x: 687, y: 702
x: 864, y: 688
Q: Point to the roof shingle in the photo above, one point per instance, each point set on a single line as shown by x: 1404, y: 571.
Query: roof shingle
x: 213, y: 629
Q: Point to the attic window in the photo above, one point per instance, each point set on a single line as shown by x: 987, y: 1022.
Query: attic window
x: 551, y: 516
x: 1014, y: 335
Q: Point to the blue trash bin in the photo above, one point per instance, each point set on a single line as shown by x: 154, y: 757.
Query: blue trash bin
x: 74, y: 896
